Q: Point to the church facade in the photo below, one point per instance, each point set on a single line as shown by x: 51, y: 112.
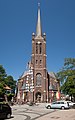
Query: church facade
x: 36, y: 84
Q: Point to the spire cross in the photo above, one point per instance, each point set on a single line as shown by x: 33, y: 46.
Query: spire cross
x: 38, y: 4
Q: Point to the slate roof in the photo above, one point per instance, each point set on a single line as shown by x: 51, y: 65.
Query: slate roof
x: 24, y: 86
x: 52, y: 74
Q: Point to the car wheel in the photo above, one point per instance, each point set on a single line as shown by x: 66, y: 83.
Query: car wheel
x: 62, y: 107
x: 48, y: 106
x: 8, y: 116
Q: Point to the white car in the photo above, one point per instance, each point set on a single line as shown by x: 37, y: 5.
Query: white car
x: 71, y: 104
x: 58, y: 104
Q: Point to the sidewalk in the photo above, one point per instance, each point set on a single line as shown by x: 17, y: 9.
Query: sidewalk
x: 60, y: 115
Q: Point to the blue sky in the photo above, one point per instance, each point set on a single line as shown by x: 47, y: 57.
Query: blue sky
x: 17, y: 23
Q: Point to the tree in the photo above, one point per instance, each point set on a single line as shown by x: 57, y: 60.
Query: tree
x: 2, y: 73
x: 6, y: 80
x: 67, y: 77
x: 2, y: 79
x: 2, y: 90
x: 10, y: 82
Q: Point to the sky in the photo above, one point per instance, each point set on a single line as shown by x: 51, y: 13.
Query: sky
x: 18, y: 20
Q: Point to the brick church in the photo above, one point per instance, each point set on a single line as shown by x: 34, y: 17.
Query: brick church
x: 36, y: 83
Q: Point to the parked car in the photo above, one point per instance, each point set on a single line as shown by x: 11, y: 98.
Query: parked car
x: 71, y: 104
x: 5, y: 110
x: 58, y: 104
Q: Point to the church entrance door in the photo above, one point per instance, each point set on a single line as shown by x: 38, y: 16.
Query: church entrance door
x: 38, y: 97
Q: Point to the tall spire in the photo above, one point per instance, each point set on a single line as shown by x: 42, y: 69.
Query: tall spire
x: 38, y: 27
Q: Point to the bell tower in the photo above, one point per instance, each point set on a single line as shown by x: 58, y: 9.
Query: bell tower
x: 38, y: 60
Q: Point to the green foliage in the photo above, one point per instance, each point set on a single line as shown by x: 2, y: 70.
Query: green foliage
x: 9, y: 96
x: 67, y: 77
x: 2, y: 79
x: 6, y: 80
x: 10, y: 82
x: 2, y: 73
x: 69, y: 63
x: 2, y: 90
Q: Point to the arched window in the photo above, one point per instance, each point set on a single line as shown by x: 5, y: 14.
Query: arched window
x: 40, y: 48
x: 38, y: 79
x: 36, y: 61
x: 36, y: 48
x: 40, y: 62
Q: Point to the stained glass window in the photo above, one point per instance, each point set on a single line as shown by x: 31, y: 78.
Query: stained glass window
x: 38, y: 79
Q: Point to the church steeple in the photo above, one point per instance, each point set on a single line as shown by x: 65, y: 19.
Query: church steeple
x: 38, y: 27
